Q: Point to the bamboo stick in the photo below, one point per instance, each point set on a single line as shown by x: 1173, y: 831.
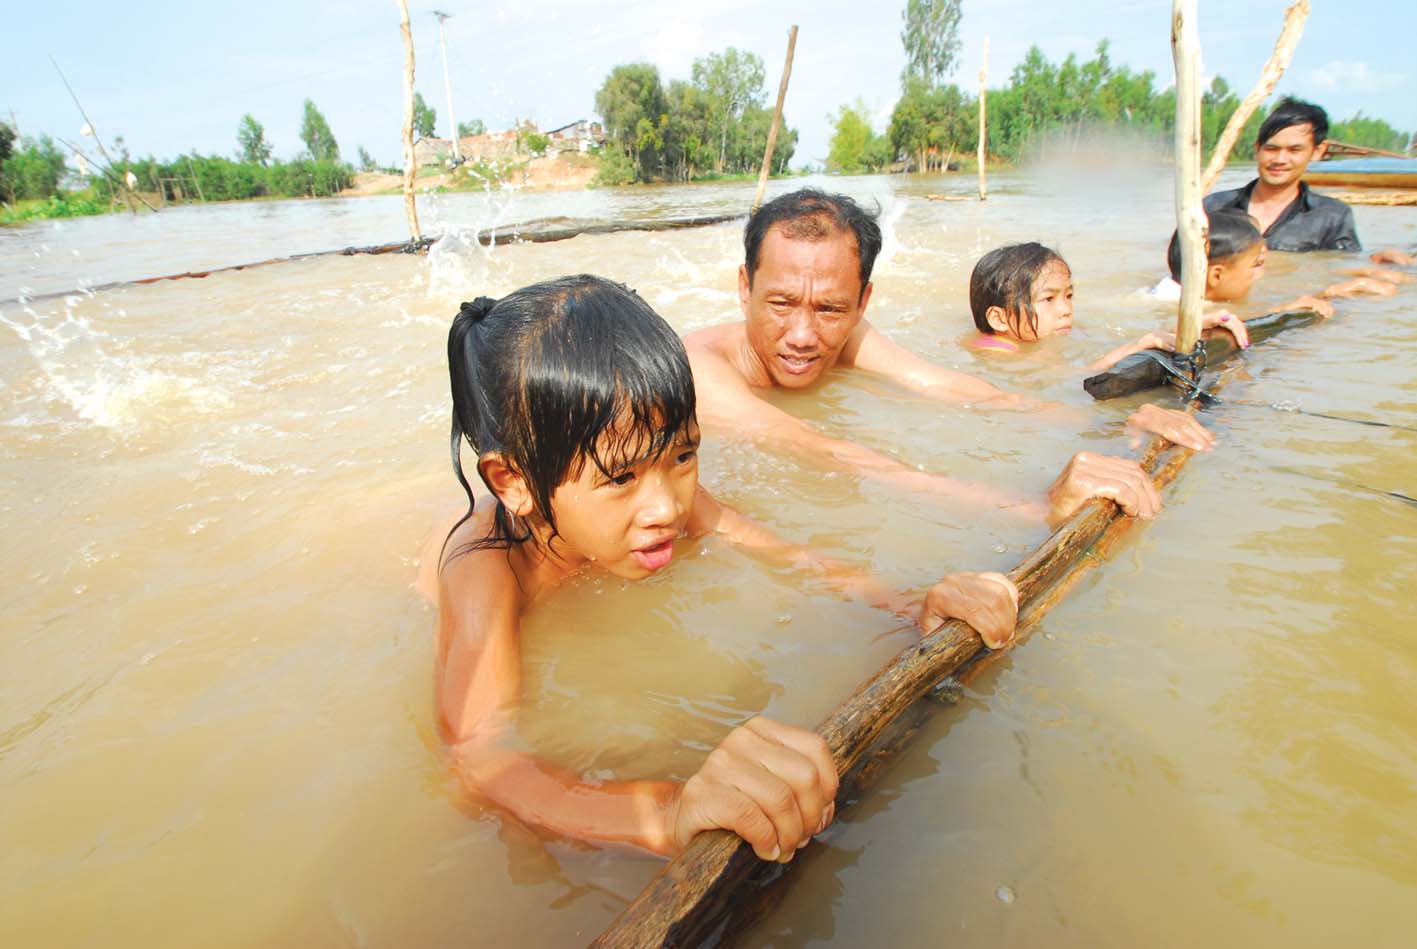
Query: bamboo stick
x: 1190, y: 213
x: 410, y: 160
x: 983, y: 126
x: 776, y: 119
x: 1274, y: 67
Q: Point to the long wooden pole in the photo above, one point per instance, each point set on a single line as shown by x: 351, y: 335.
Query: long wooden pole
x: 1289, y: 35
x: 776, y: 119
x: 983, y: 125
x: 1190, y: 213
x: 410, y: 160
x: 123, y: 187
x: 691, y: 890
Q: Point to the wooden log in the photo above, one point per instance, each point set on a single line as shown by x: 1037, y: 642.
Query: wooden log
x: 776, y: 119
x: 686, y: 902
x: 983, y: 125
x: 532, y: 232
x: 698, y: 897
x: 1380, y: 198
x: 410, y: 158
x: 1274, y: 67
x: 1153, y: 368
x: 1190, y: 213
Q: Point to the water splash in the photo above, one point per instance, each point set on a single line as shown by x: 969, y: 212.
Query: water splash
x: 85, y: 369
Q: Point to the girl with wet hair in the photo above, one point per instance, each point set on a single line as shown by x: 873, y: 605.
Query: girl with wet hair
x: 1023, y: 293
x: 578, y: 403
x: 1020, y: 293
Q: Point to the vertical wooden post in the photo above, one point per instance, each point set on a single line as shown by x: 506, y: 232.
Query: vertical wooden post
x: 410, y: 160
x: 1190, y: 213
x: 776, y: 119
x: 197, y: 182
x: 983, y: 126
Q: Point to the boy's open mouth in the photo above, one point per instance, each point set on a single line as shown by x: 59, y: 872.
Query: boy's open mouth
x: 655, y: 556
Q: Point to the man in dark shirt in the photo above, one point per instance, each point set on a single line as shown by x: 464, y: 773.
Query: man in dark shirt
x: 1290, y: 216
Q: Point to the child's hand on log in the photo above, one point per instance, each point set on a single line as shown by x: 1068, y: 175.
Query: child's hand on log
x: 1230, y: 323
x: 988, y: 602
x: 1088, y: 475
x: 1395, y: 277
x: 1322, y: 307
x: 1179, y: 427
x: 771, y: 784
x: 1392, y: 256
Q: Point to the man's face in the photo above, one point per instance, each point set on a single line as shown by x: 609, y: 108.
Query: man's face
x: 804, y: 302
x: 1284, y: 157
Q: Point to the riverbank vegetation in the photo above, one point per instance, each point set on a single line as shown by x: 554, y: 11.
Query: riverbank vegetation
x: 34, y: 173
x: 713, y: 125
x: 1046, y: 108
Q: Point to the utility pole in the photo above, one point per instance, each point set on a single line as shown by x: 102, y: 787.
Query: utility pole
x: 448, y: 83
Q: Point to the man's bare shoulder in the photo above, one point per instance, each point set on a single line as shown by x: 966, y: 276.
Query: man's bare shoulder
x: 719, y: 339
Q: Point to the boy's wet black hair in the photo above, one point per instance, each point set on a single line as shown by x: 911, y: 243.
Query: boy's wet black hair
x: 558, y: 373
x: 1004, y: 278
x: 1232, y: 232
x: 813, y: 215
x: 1290, y: 111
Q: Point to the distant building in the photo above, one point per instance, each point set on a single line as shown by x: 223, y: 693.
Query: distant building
x: 579, y: 136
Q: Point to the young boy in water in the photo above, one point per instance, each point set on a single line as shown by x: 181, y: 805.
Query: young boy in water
x: 1235, y: 261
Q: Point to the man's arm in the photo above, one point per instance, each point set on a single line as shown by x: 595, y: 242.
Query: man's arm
x: 877, y: 353
x: 728, y: 404
x: 1345, y: 236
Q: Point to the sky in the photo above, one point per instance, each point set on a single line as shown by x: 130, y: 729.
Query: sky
x: 172, y: 77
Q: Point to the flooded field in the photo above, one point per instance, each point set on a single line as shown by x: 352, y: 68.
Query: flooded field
x: 216, y: 713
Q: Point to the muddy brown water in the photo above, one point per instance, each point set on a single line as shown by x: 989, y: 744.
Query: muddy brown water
x: 216, y: 707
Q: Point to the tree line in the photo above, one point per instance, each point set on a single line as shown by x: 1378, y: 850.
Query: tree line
x: 715, y: 123
x: 35, y: 169
x: 1045, y: 106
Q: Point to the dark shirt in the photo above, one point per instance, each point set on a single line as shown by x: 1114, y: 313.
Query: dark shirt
x: 1311, y: 222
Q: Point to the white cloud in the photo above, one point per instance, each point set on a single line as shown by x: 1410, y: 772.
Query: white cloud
x: 674, y: 47
x: 1358, y: 76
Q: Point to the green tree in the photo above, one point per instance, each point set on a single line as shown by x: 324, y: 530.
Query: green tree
x: 251, y: 141
x: 469, y: 129
x: 1368, y: 132
x: 631, y: 92
x: 731, y: 81
x: 854, y: 147
x: 7, y: 141
x: 931, y: 39
x: 33, y: 170
x: 425, y: 119
x: 366, y: 161
x: 315, y: 133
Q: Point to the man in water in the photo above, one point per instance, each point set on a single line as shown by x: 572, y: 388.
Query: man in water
x: 803, y: 289
x: 1290, y: 216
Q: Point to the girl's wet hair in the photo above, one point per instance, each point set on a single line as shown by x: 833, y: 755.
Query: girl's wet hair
x: 560, y: 373
x: 1230, y: 233
x: 1004, y: 278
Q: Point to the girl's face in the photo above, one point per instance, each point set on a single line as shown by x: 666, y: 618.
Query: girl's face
x: 1052, y: 294
x: 627, y: 521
